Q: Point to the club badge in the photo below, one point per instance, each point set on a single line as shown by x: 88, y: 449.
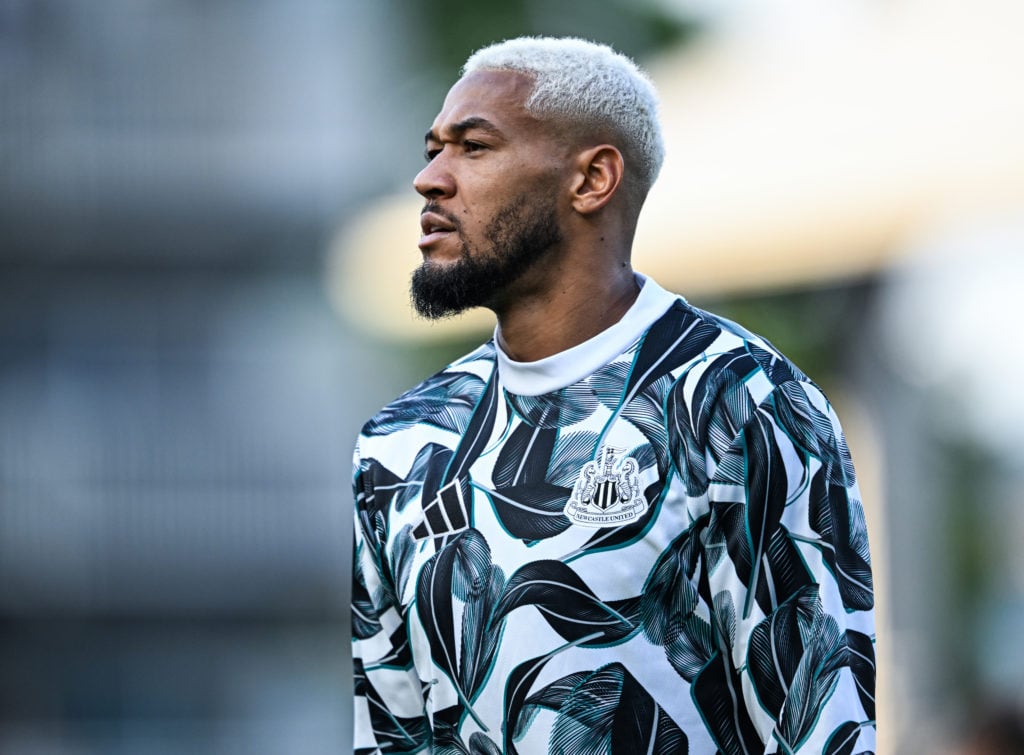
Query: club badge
x: 607, y: 492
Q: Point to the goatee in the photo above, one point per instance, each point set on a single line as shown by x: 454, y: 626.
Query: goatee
x: 518, y: 236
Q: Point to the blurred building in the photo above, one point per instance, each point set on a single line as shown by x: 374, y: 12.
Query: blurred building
x: 176, y: 396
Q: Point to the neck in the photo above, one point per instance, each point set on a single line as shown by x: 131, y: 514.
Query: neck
x: 565, y: 312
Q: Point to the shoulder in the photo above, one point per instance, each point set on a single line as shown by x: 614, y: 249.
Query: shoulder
x: 444, y: 400
x: 410, y: 434
x: 715, y: 395
x: 734, y: 359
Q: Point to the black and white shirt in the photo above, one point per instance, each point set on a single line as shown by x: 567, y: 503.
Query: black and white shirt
x: 650, y: 543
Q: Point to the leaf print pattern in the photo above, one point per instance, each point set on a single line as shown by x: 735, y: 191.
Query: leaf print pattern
x: 531, y: 512
x: 690, y: 646
x: 843, y: 542
x: 564, y: 408
x: 568, y: 604
x: 610, y: 538
x: 710, y: 417
x: 517, y: 693
x: 511, y: 629
x: 780, y: 371
x: 392, y: 732
x: 776, y: 646
x: 462, y: 573
x: 646, y: 413
x: 678, y: 337
x: 813, y: 432
x: 813, y: 681
x: 669, y: 594
x: 610, y: 712
x: 717, y: 688
x: 751, y: 532
x: 862, y: 663
x: 365, y: 621
x: 572, y: 451
x: 446, y: 401
x: 524, y: 456
x: 528, y: 506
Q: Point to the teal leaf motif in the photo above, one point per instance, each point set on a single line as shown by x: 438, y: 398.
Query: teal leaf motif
x: 607, y: 538
x: 528, y: 506
x: 646, y: 413
x: 393, y: 733
x: 461, y: 575
x: 825, y: 653
x: 567, y: 604
x: 524, y: 456
x: 481, y: 744
x: 862, y: 664
x: 689, y: 646
x: 764, y: 555
x: 571, y: 453
x: 403, y: 552
x: 365, y: 620
x: 839, y: 520
x: 517, y: 691
x: 777, y: 369
x: 607, y: 383
x: 776, y: 646
x: 445, y: 400
x: 708, y: 421
x: 559, y: 409
x: 843, y: 739
x: 813, y: 431
x: 550, y: 697
x: 611, y: 712
x: 531, y: 511
x: 678, y: 337
x: 425, y: 475
x: 718, y: 689
x: 669, y: 594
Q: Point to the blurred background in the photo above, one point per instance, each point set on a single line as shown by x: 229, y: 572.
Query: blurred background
x: 206, y: 230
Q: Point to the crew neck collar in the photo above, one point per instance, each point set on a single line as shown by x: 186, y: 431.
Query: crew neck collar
x: 567, y: 367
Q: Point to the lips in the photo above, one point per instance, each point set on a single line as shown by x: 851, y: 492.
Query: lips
x: 434, y: 227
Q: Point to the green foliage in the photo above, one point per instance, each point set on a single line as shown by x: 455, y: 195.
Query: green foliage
x: 814, y: 327
x: 455, y: 28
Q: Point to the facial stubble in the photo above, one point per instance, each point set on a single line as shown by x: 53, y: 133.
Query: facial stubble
x: 519, y: 235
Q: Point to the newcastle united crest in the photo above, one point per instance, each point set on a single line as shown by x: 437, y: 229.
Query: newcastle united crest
x: 607, y: 492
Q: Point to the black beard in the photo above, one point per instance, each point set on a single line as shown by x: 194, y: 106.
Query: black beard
x: 519, y: 235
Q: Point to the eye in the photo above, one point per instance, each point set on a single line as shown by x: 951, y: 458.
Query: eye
x: 430, y: 153
x: 471, y: 146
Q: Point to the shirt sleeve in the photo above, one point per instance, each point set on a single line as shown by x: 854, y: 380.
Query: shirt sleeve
x: 389, y: 714
x: 788, y: 577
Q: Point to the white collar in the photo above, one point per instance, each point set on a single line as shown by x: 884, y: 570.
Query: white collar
x: 567, y: 367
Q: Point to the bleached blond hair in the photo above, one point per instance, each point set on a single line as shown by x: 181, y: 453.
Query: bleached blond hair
x: 591, y: 88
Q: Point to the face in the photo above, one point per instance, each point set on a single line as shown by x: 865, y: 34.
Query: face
x: 492, y: 187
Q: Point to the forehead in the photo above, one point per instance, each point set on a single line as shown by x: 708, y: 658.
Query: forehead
x: 495, y: 96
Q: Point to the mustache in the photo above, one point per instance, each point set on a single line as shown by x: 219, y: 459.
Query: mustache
x: 435, y: 208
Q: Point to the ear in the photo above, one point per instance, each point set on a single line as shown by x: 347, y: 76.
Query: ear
x: 598, y: 176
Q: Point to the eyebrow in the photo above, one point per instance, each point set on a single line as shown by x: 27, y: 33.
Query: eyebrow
x: 473, y: 122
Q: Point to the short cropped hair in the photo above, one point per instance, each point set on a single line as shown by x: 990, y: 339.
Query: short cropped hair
x: 591, y: 85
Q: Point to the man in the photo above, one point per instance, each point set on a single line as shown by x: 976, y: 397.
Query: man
x: 623, y: 525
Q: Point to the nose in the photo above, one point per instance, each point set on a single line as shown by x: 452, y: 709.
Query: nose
x: 434, y: 181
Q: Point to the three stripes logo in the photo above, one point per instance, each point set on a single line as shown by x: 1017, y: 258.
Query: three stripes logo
x: 607, y: 492
x: 447, y: 514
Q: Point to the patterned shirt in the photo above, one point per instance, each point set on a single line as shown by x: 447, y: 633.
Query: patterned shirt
x: 652, y: 542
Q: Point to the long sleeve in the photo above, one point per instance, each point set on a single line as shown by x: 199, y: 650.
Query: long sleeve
x: 789, y: 578
x: 389, y: 712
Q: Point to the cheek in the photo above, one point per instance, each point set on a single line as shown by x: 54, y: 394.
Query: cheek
x: 478, y: 207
